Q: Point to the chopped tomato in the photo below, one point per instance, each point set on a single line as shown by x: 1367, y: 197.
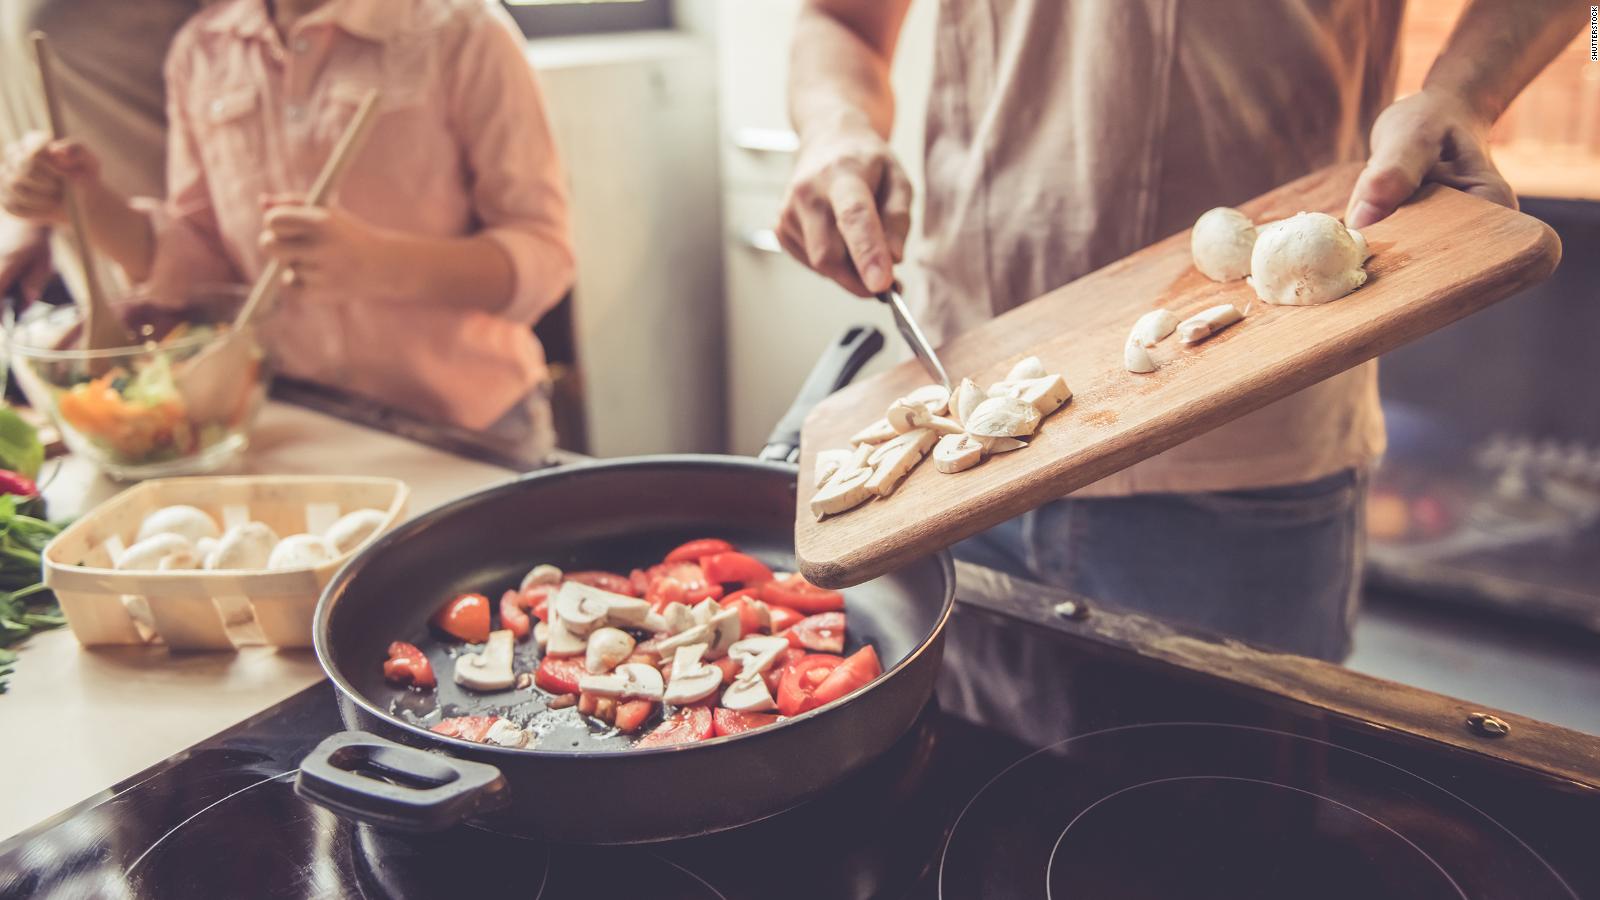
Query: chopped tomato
x: 408, y: 666
x: 823, y: 633
x: 797, y: 690
x: 782, y: 617
x: 727, y: 721
x: 729, y: 667
x: 856, y: 671
x: 694, y: 550
x: 514, y: 607
x: 753, y: 615
x: 605, y: 581
x: 632, y: 713
x: 559, y: 676
x: 687, y: 725
x: 785, y: 659
x: 664, y: 592
x: 801, y: 595
x: 639, y: 581
x: 541, y: 602
x: 468, y: 728
x: 465, y: 617
x: 731, y: 567
x: 683, y: 582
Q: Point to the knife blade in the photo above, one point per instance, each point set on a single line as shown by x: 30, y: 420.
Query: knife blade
x: 918, y: 341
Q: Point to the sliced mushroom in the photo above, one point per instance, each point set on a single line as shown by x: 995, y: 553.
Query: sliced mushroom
x: 607, y: 648
x: 995, y: 445
x: 541, y: 634
x: 704, y: 610
x: 1136, y: 359
x: 353, y: 529
x: 844, y: 492
x: 904, y: 416
x: 148, y: 554
x: 561, y: 641
x: 876, y: 433
x: 188, y: 522
x: 1153, y: 326
x: 626, y: 612
x: 748, y: 693
x: 505, y: 733
x: 542, y: 574
x: 757, y: 653
x: 956, y: 453
x: 1027, y: 367
x: 968, y: 396
x: 490, y: 669
x: 724, y: 633
x: 828, y: 463
x: 1046, y: 393
x: 699, y: 634
x: 898, y: 463
x: 1003, y: 417
x: 933, y: 397
x: 1208, y: 322
x: 941, y: 425
x: 630, y: 681
x: 916, y: 437
x: 654, y: 622
x: 678, y: 617
x: 584, y: 608
x: 692, y: 680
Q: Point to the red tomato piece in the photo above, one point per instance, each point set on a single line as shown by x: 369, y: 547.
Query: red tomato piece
x: 796, y: 692
x: 857, y: 670
x: 694, y: 550
x: 727, y: 721
x: 801, y: 595
x: 754, y: 617
x: 632, y: 713
x: 514, y: 607
x: 640, y: 581
x: 783, y: 617
x: 468, y: 728
x: 664, y: 591
x: 687, y: 725
x: 731, y: 567
x: 559, y: 676
x: 408, y: 666
x: 691, y: 584
x: 605, y: 581
x: 541, y: 602
x: 465, y: 617
x: 823, y: 632
x: 730, y: 669
x: 785, y: 659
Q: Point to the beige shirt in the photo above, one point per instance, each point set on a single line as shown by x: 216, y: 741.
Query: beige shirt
x: 1065, y: 134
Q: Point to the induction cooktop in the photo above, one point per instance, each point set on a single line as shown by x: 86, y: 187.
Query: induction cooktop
x: 1083, y: 774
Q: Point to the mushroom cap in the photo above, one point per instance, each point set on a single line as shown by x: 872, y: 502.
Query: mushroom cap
x: 1220, y: 243
x: 149, y: 554
x: 1305, y: 260
x: 191, y: 523
x: 247, y: 546
x: 353, y: 528
x: 300, y: 550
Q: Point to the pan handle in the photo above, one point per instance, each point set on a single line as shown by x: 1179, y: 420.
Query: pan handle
x: 370, y: 779
x: 838, y: 364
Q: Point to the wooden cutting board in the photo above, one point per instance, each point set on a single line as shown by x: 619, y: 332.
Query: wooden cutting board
x: 1440, y: 257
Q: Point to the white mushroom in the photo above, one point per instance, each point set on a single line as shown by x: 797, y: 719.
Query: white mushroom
x: 748, y: 693
x: 828, y: 463
x: 1136, y: 359
x: 191, y: 560
x: 560, y: 640
x: 247, y: 546
x: 699, y: 634
x: 205, y: 547
x: 1027, y: 367
x: 1208, y: 322
x: 904, y: 416
x: 300, y: 551
x: 584, y: 608
x: 626, y: 612
x: 876, y: 433
x: 968, y: 396
x: 677, y: 617
x: 1220, y: 243
x: 956, y: 453
x: 724, y: 633
x: 542, y: 574
x: 993, y: 445
x: 1306, y: 260
x: 353, y: 529
x: 691, y: 680
x: 1003, y: 417
x: 541, y: 634
x: 920, y: 437
x: 188, y: 522
x: 896, y: 464
x: 1362, y: 250
x: 1046, y: 393
x: 704, y: 610
x: 1153, y: 326
x: 843, y: 492
x: 933, y: 397
x: 503, y: 733
x: 630, y: 681
x: 607, y: 648
x: 490, y: 669
x: 153, y: 552
x: 654, y: 622
x: 757, y: 653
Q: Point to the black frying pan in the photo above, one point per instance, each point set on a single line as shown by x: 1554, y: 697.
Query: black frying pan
x: 569, y: 787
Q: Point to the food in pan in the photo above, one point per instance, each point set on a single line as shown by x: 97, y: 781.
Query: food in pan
x: 1220, y: 244
x: 708, y: 642
x: 958, y: 429
x: 1307, y: 259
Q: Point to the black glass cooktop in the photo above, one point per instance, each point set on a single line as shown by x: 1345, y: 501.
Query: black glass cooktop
x: 1078, y: 775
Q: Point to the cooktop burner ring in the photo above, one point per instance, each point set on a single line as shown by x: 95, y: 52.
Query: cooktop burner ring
x: 1050, y: 867
x: 1063, y: 750
x: 133, y: 867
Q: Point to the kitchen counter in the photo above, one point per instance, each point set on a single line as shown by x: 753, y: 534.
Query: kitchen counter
x: 78, y: 720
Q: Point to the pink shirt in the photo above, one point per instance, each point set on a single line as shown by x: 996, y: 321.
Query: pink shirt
x: 461, y: 146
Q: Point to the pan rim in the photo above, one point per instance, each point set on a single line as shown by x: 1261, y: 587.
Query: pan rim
x: 337, y: 586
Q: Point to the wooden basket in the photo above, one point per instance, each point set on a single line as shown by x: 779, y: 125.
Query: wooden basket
x: 199, y: 609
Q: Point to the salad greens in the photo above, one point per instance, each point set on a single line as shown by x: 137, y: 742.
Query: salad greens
x: 26, y: 605
x: 20, y: 449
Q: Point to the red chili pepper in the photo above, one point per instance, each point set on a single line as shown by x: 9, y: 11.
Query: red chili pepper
x: 408, y: 666
x: 18, y: 484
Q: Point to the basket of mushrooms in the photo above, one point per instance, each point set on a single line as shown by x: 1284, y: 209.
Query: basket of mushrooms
x: 214, y: 563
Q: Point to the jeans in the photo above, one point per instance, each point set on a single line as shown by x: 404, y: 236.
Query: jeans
x: 1277, y: 567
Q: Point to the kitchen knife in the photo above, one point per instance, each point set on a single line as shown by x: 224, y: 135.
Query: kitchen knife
x: 914, y: 336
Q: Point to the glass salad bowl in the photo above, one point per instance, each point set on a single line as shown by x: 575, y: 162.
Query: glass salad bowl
x: 179, y: 402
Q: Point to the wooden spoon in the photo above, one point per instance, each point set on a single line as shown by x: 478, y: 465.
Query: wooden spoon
x: 101, y: 327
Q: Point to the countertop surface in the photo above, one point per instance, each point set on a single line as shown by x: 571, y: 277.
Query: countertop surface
x: 76, y: 721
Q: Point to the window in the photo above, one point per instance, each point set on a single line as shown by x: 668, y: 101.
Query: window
x: 549, y: 18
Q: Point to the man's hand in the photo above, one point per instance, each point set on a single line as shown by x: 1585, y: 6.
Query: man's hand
x: 324, y: 248
x: 848, y: 210
x: 1428, y: 136
x: 24, y: 258
x: 37, y: 171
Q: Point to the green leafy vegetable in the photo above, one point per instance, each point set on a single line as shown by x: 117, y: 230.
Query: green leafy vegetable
x: 26, y: 605
x: 20, y: 450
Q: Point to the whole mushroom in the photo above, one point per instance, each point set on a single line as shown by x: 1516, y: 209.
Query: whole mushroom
x: 188, y: 522
x: 1305, y: 260
x: 300, y: 551
x: 353, y: 528
x: 160, y: 551
x: 1220, y: 243
x: 246, y: 546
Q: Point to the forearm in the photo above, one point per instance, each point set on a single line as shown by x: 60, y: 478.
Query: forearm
x: 118, y: 230
x: 839, y: 65
x: 468, y: 272
x: 1497, y: 47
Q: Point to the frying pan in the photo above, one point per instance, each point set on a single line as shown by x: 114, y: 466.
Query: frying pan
x: 391, y: 771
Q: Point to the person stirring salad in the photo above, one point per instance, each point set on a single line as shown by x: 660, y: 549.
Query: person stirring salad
x: 448, y: 236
